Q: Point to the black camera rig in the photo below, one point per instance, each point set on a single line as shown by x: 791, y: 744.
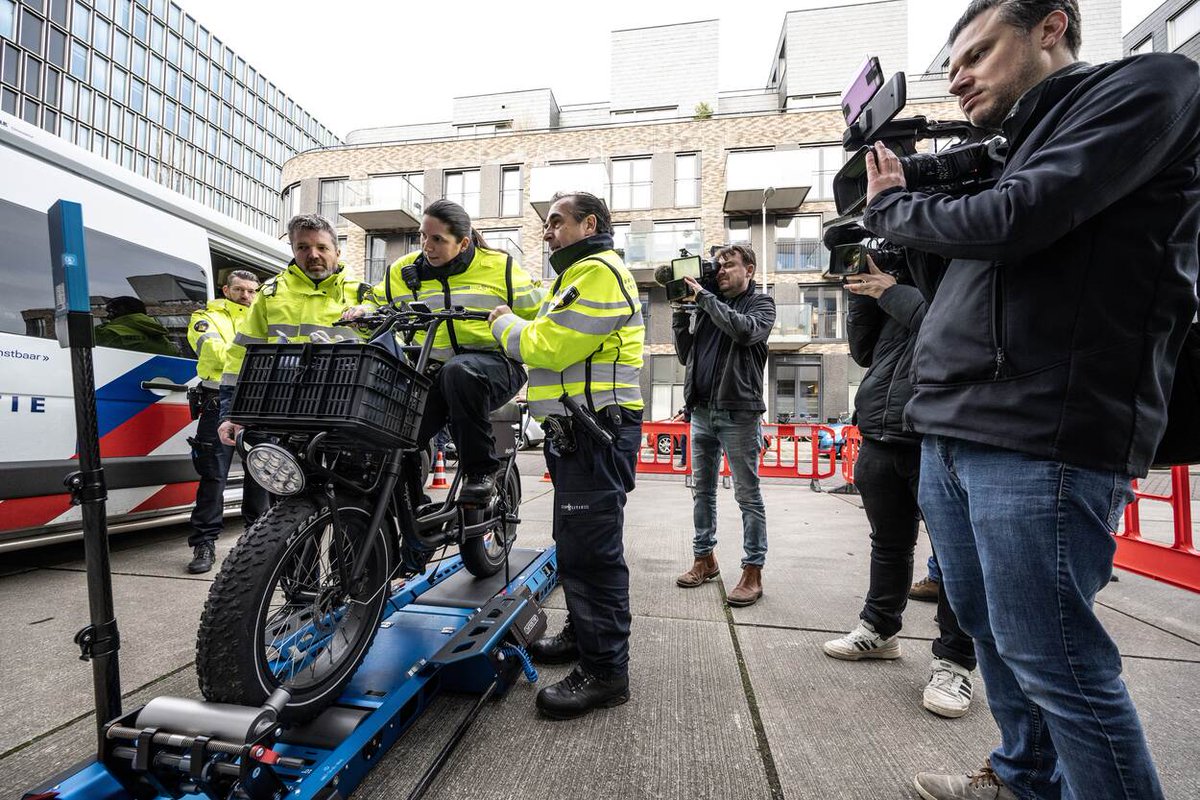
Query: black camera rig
x: 968, y: 166
x: 671, y: 276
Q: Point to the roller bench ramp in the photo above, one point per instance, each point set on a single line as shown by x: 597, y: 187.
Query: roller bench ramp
x: 445, y: 631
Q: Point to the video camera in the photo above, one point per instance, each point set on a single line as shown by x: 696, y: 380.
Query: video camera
x: 870, y: 107
x: 671, y: 276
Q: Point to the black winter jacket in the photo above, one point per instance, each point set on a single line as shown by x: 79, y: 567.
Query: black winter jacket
x: 1056, y: 327
x: 882, y: 336
x: 743, y: 323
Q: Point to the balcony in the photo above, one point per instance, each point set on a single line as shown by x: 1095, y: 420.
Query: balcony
x: 749, y: 175
x: 800, y: 323
x: 382, y: 204
x: 544, y: 181
x: 800, y: 256
x: 645, y: 251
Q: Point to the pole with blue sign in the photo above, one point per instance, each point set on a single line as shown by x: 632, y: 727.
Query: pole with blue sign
x: 99, y: 641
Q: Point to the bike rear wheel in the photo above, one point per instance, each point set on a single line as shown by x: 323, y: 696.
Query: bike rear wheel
x: 483, y: 556
x: 279, y: 614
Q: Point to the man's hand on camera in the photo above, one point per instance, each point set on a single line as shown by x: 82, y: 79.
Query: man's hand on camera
x: 497, y: 312
x: 696, y: 288
x: 883, y: 171
x: 872, y: 283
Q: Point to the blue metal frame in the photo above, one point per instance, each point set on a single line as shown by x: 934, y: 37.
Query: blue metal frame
x: 395, y: 683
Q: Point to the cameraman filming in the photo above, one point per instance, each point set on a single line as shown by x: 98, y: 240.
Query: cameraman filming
x: 1042, y: 372
x: 722, y: 340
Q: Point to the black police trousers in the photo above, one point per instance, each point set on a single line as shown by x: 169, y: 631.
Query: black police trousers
x: 465, y: 391
x: 886, y: 476
x: 211, y: 459
x: 590, y: 486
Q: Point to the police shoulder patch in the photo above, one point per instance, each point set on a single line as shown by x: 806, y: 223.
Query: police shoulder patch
x: 201, y: 326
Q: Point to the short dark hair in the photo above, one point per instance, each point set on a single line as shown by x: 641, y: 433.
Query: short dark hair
x: 584, y: 203
x: 125, y: 304
x: 1024, y: 15
x: 745, y: 251
x: 311, y: 222
x: 241, y: 275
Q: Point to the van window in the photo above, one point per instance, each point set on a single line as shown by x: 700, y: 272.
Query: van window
x: 169, y: 287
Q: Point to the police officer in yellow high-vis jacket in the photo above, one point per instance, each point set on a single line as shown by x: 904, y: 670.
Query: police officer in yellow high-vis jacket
x: 584, y: 355
x: 303, y: 301
x: 456, y: 268
x: 210, y: 333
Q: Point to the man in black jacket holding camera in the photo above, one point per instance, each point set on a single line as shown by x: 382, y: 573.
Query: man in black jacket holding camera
x: 885, y: 313
x: 722, y: 340
x: 1042, y: 373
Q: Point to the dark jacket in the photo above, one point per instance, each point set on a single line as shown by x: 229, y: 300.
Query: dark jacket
x: 743, y: 323
x: 882, y: 336
x: 1056, y: 327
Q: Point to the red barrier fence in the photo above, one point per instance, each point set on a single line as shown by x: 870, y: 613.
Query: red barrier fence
x: 850, y: 452
x: 792, y: 451
x: 1177, y: 564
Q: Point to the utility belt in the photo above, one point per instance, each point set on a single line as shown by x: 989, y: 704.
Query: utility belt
x: 562, y: 429
x: 200, y: 396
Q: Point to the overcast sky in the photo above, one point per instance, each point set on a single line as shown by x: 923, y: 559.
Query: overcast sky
x: 366, y: 63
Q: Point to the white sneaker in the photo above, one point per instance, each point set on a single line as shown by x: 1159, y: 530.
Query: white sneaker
x: 863, y: 642
x: 949, y: 691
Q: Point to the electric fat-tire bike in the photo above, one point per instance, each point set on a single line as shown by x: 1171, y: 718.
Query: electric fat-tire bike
x: 298, y: 601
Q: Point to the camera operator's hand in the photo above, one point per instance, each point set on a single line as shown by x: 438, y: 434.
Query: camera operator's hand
x: 883, y: 171
x: 696, y: 288
x: 872, y: 283
x: 498, y: 312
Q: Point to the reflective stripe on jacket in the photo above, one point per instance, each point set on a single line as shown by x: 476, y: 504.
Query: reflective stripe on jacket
x: 586, y: 339
x: 291, y: 307
x: 210, y: 332
x: 484, y: 284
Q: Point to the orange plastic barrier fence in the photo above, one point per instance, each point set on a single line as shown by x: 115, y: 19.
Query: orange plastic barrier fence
x: 792, y: 451
x: 850, y: 451
x: 1178, y: 563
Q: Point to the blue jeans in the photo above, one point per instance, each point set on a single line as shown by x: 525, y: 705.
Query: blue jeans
x: 932, y: 570
x: 1024, y: 545
x: 739, y: 434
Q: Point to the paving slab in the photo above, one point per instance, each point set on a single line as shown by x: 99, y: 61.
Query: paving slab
x: 44, y: 608
x: 686, y: 733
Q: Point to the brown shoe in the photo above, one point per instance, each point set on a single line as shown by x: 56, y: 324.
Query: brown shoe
x: 925, y: 589
x: 705, y: 569
x: 749, y: 588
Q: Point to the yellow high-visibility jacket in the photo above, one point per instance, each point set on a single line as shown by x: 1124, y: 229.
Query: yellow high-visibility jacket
x: 290, y: 306
x: 210, y: 333
x: 488, y: 279
x: 586, y: 339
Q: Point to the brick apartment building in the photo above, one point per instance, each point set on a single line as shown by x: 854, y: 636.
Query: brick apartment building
x: 681, y: 164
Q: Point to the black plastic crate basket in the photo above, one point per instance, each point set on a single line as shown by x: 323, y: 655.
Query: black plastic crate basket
x: 354, y: 390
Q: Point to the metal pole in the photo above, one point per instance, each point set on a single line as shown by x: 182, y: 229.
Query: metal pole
x: 768, y: 193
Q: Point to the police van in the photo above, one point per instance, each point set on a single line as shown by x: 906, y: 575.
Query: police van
x: 151, y: 248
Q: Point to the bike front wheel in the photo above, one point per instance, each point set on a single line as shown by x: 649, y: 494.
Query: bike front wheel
x: 282, y: 611
x: 483, y: 556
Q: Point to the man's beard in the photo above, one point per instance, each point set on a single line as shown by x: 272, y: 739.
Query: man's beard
x: 1007, y: 95
x: 318, y: 272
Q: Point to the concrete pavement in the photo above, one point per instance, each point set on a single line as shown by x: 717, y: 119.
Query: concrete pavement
x: 727, y: 703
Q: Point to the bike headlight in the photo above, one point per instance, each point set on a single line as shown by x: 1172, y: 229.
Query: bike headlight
x: 275, y: 469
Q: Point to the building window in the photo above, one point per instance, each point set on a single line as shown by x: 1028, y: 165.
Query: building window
x: 827, y: 319
x: 798, y: 245
x: 1145, y: 46
x: 1183, y: 26
x: 291, y: 202
x: 687, y: 180
x: 820, y: 164
x: 330, y: 200
x: 631, y: 183
x: 507, y: 240
x: 463, y: 188
x: 31, y: 31
x: 620, y: 237
x: 510, y: 191
x: 737, y: 230
x: 8, y: 18
x: 666, y: 386
x: 798, y: 391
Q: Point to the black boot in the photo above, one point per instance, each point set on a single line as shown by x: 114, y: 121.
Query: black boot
x: 203, y: 556
x: 557, y: 649
x: 478, y: 489
x: 580, y: 692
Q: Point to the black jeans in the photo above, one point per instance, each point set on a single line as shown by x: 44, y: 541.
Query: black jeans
x: 465, y: 391
x: 590, y: 486
x: 211, y: 460
x: 887, y: 475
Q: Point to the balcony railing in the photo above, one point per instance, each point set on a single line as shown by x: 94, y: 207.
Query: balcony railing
x: 387, y: 203
x: 802, y: 322
x: 643, y: 250
x: 810, y: 256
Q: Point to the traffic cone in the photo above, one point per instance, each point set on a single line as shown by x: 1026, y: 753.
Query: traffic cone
x: 546, y: 477
x: 439, y: 473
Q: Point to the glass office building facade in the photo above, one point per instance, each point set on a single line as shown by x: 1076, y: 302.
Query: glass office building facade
x: 143, y: 84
